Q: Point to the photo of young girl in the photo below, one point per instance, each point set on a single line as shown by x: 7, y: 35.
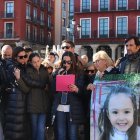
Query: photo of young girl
x: 118, y: 119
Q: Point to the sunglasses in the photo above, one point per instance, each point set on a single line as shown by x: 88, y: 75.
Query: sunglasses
x: 68, y: 62
x: 24, y: 56
x: 90, y: 71
x: 67, y: 47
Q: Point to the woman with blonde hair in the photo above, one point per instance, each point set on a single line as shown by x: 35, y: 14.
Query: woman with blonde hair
x: 104, y: 64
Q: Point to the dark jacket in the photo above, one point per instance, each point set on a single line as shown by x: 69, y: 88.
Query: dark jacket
x: 74, y: 100
x: 38, y: 96
x: 16, y: 126
x: 130, y: 63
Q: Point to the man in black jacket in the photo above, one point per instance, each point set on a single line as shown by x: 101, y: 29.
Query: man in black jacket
x: 131, y: 62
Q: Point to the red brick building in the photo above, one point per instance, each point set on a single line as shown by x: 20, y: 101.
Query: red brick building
x: 105, y: 24
x: 27, y: 23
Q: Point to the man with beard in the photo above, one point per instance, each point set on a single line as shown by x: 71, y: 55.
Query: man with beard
x: 131, y: 62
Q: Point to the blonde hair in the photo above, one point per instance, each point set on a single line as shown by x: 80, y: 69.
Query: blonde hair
x: 103, y: 55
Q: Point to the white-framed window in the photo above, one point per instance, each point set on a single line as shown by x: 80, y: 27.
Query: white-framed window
x: 104, y: 5
x: 103, y: 27
x: 28, y: 31
x: 122, y: 4
x: 9, y: 9
x: 28, y: 11
x: 85, y: 5
x: 85, y: 28
x: 9, y: 29
x: 121, y: 26
x: 35, y: 33
x: 138, y: 26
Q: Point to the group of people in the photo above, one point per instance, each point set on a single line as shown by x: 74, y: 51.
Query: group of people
x: 30, y: 101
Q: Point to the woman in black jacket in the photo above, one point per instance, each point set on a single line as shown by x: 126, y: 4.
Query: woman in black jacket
x: 67, y: 107
x: 38, y: 102
x: 16, y: 123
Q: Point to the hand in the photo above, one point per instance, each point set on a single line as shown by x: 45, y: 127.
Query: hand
x: 73, y: 88
x: 17, y: 73
x: 90, y: 87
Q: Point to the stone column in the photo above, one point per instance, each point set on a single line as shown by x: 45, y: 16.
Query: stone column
x: 113, y: 48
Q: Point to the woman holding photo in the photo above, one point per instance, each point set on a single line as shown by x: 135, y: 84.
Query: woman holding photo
x: 67, y: 107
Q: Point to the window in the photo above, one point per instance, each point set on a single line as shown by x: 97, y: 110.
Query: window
x: 9, y: 30
x: 86, y: 28
x: 138, y: 26
x: 35, y: 14
x: 9, y: 8
x: 86, y: 4
x: 42, y: 18
x: 63, y: 6
x: 122, y: 4
x: 138, y: 4
x: 103, y: 27
x: 41, y: 35
x: 63, y: 22
x: 49, y: 5
x: 28, y: 11
x: 104, y: 5
x: 49, y: 21
x: 35, y: 33
x: 28, y: 32
x: 42, y: 3
x: 122, y: 28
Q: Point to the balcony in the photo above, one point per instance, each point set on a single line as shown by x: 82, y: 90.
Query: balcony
x: 42, y: 22
x: 43, y: 5
x: 7, y: 15
x: 7, y: 36
x: 35, y: 20
x: 35, y: 39
x: 50, y: 10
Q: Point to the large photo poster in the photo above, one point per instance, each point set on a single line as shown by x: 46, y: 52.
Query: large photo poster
x: 114, y: 113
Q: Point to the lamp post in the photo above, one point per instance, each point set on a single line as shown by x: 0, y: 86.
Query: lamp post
x: 73, y: 30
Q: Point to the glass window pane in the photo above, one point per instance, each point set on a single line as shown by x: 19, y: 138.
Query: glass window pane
x: 104, y: 5
x: 85, y: 31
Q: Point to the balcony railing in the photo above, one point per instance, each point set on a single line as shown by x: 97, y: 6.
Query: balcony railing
x: 8, y: 35
x: 7, y: 15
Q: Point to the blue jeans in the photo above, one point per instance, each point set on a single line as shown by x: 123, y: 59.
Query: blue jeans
x: 64, y: 129
x: 38, y: 122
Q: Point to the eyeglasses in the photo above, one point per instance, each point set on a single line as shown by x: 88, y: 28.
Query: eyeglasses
x: 90, y: 71
x: 24, y: 56
x: 67, y: 47
x: 68, y: 62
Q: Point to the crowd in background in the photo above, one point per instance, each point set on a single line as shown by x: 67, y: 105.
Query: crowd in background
x: 29, y: 102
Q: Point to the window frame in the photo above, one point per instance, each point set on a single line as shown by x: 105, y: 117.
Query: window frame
x: 81, y: 27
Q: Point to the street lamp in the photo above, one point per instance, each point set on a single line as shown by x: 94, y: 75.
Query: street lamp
x: 73, y: 30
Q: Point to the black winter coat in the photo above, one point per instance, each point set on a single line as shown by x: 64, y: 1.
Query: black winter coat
x: 38, y: 96
x: 16, y: 123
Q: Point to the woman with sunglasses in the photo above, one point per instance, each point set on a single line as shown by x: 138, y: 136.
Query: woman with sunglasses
x: 15, y: 121
x: 67, y: 107
x: 89, y: 75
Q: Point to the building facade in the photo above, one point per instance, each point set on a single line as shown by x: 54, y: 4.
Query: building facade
x: 105, y: 24
x: 27, y: 23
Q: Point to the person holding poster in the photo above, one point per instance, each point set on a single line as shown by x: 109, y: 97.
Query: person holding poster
x: 118, y: 118
x: 67, y: 107
x: 104, y: 66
